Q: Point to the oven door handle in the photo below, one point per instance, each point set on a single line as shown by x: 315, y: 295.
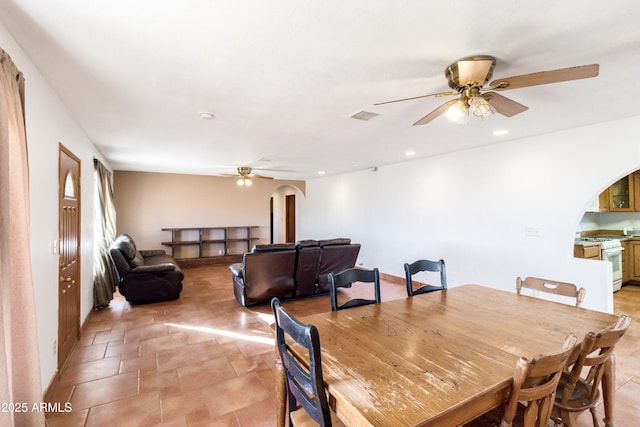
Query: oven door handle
x: 612, y: 251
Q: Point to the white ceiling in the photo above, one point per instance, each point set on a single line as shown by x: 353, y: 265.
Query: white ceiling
x: 283, y: 76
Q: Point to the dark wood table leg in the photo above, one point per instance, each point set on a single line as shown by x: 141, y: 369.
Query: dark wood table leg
x: 281, y: 392
x: 609, y: 390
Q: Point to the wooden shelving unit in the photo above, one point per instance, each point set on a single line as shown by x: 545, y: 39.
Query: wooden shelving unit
x: 214, y: 244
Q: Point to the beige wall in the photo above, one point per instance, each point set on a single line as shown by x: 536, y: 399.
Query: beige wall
x: 148, y: 202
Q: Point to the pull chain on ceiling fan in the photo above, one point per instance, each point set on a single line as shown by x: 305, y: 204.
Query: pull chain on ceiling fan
x: 468, y: 77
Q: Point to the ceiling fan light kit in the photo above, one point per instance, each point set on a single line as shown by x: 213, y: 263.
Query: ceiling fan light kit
x: 244, y: 181
x: 458, y: 112
x: 245, y: 175
x: 468, y: 77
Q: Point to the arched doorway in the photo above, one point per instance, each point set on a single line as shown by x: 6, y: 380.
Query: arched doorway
x: 285, y: 203
x: 609, y: 229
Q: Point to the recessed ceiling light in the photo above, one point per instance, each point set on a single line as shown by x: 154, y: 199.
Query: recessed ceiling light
x: 321, y: 172
x: 500, y: 132
x: 206, y: 116
x: 410, y: 153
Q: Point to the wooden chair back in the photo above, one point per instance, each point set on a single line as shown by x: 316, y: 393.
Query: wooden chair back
x: 304, y: 382
x: 552, y: 287
x: 577, y: 394
x: 348, y: 277
x: 535, y: 383
x: 424, y: 265
x: 533, y: 391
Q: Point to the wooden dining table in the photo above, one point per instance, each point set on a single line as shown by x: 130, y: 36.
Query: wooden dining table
x: 438, y: 359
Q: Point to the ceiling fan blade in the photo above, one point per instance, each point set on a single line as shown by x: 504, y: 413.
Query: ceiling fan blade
x: 437, y: 95
x: 474, y: 71
x: 503, y: 105
x: 545, y: 77
x: 255, y: 175
x: 435, y: 113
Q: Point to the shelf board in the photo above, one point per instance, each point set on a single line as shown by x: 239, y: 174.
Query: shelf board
x: 181, y: 243
x: 206, y: 237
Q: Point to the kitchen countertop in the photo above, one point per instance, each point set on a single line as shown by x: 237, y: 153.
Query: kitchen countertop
x: 612, y: 236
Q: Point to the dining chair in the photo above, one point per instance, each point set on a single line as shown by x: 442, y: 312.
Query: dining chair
x: 576, y: 394
x: 348, y: 277
x: 424, y: 265
x: 306, y: 395
x: 533, y: 391
x: 552, y: 287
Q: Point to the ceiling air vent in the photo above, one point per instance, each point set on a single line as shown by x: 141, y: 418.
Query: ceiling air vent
x: 364, y: 115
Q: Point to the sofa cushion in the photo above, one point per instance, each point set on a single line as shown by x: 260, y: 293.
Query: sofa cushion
x: 127, y: 248
x: 274, y: 247
x: 137, y: 261
x: 307, y: 243
x: 331, y: 242
x: 119, y: 262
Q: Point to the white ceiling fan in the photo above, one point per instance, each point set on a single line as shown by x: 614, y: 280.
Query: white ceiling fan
x: 468, y: 77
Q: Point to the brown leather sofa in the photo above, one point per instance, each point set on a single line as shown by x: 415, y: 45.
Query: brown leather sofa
x: 145, y: 276
x: 290, y: 271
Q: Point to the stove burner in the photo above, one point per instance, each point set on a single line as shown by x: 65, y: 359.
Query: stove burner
x: 594, y: 239
x: 605, y: 242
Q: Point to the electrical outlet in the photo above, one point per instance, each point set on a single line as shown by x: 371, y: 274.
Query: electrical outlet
x: 532, y: 231
x: 55, y: 347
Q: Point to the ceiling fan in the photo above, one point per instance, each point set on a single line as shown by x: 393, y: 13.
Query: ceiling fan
x: 468, y: 77
x: 245, y: 175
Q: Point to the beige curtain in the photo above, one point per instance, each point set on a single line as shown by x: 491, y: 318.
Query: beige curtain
x: 19, y: 361
x: 104, y: 279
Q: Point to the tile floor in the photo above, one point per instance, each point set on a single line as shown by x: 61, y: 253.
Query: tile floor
x: 204, y: 360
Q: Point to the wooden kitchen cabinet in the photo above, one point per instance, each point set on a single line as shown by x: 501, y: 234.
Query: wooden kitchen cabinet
x: 588, y: 250
x: 636, y: 190
x: 634, y: 260
x: 622, y: 195
x: 627, y: 261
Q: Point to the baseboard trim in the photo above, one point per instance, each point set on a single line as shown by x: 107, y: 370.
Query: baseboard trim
x: 196, y: 262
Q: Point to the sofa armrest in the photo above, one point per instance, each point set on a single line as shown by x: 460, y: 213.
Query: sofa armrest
x: 157, y: 268
x: 152, y: 252
x: 236, y: 269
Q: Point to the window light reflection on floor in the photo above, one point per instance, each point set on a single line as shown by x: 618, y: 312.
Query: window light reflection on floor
x: 261, y: 338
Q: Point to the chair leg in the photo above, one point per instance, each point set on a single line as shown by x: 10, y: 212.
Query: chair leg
x: 594, y: 416
x: 566, y: 419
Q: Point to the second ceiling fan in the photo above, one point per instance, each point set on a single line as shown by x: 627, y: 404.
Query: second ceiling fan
x: 468, y: 77
x: 245, y: 174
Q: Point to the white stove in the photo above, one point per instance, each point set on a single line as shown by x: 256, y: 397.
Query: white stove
x: 610, y: 250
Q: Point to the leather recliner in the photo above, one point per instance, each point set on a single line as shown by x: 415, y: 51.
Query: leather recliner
x: 307, y: 265
x: 145, y: 276
x: 265, y: 272
x: 337, y: 255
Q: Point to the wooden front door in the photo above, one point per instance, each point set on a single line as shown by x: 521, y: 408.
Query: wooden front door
x: 69, y: 255
x: 290, y: 219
